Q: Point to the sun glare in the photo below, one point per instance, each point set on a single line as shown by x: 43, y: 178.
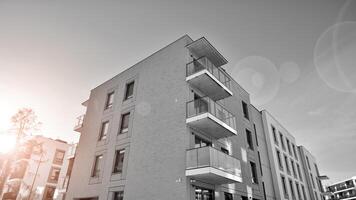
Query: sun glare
x: 7, y: 143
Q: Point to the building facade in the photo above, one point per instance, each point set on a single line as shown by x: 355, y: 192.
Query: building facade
x: 174, y: 126
x: 35, y: 170
x: 343, y: 190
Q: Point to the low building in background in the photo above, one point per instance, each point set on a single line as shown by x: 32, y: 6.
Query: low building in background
x: 35, y: 169
x: 343, y: 190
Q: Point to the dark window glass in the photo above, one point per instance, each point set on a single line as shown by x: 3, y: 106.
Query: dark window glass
x: 254, y: 173
x: 119, y: 195
x: 289, y: 149
x: 295, y: 152
x: 54, y: 174
x: 104, y: 130
x: 306, y: 157
x: 49, y: 192
x: 274, y: 135
x: 282, y: 141
x: 228, y: 196
x: 200, y: 142
x: 291, y: 188
x: 119, y: 161
x: 58, y: 157
x: 279, y: 159
x: 254, y: 128
x: 203, y: 194
x: 124, y: 127
x: 225, y: 150
x: 109, y: 100
x: 97, y: 165
x: 283, y: 179
x: 287, y: 164
x: 245, y: 110
x: 129, y: 90
x: 249, y: 139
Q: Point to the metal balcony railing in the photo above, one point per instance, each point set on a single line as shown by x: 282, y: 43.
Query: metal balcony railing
x: 211, y: 157
x: 207, y: 105
x: 204, y: 63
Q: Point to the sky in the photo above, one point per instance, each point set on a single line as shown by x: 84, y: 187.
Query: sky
x: 295, y: 57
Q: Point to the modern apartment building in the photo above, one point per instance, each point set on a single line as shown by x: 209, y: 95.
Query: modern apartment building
x: 35, y: 171
x: 177, y: 126
x: 345, y: 190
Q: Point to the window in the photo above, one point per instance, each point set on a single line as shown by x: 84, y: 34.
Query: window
x: 129, y: 90
x: 259, y: 160
x: 289, y: 149
x: 54, y: 175
x: 200, y: 142
x: 306, y: 157
x: 287, y: 164
x: 291, y: 188
x: 293, y: 169
x: 274, y: 135
x: 49, y: 192
x: 279, y: 159
x: 285, y: 191
x: 300, y: 175
x: 254, y: 173
x: 228, y: 196
x: 312, y: 180
x: 298, y: 191
x: 282, y: 140
x: 97, y: 166
x: 104, y: 130
x: 119, y: 195
x: 203, y: 194
x: 254, y: 128
x: 109, y: 100
x: 304, y: 194
x: 58, y: 157
x: 224, y: 150
x: 119, y: 161
x: 124, y: 126
x: 316, y: 196
x: 245, y: 110
x: 249, y: 139
x: 295, y: 152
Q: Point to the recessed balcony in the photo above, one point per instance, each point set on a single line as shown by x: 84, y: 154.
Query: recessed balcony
x: 79, y: 125
x: 210, y: 165
x: 210, y: 117
x: 203, y: 75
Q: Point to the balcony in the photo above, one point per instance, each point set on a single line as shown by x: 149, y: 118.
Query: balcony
x: 210, y: 117
x: 79, y: 125
x: 209, y: 79
x: 212, y: 166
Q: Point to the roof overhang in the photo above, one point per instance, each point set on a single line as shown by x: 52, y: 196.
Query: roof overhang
x: 203, y: 48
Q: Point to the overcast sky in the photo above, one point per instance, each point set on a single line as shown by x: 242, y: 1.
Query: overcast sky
x: 296, y: 58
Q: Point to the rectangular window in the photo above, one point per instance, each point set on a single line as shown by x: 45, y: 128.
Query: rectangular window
x: 119, y: 161
x: 97, y: 165
x: 104, y: 130
x: 245, y: 110
x: 200, y: 142
x: 287, y: 164
x: 274, y: 135
x: 285, y: 191
x: 225, y: 151
x: 282, y: 141
x: 228, y: 196
x: 249, y: 139
x: 306, y: 157
x: 49, y: 192
x: 300, y: 175
x: 293, y: 169
x: 289, y: 149
x: 298, y: 191
x: 129, y: 90
x: 295, y: 152
x: 124, y: 126
x: 58, y: 157
x: 109, y: 100
x: 54, y: 175
x: 254, y: 128
x: 279, y: 159
x: 312, y: 180
x: 259, y: 160
x: 254, y: 173
x: 316, y: 196
x: 203, y: 194
x: 304, y: 194
x: 119, y: 195
x: 291, y: 188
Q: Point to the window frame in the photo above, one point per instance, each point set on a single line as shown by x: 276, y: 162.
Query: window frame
x: 109, y: 102
x: 96, y: 166
x: 245, y: 110
x: 117, y: 161
x: 128, y: 96
x: 122, y: 129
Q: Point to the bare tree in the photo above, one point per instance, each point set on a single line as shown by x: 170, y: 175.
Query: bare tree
x: 24, y: 121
